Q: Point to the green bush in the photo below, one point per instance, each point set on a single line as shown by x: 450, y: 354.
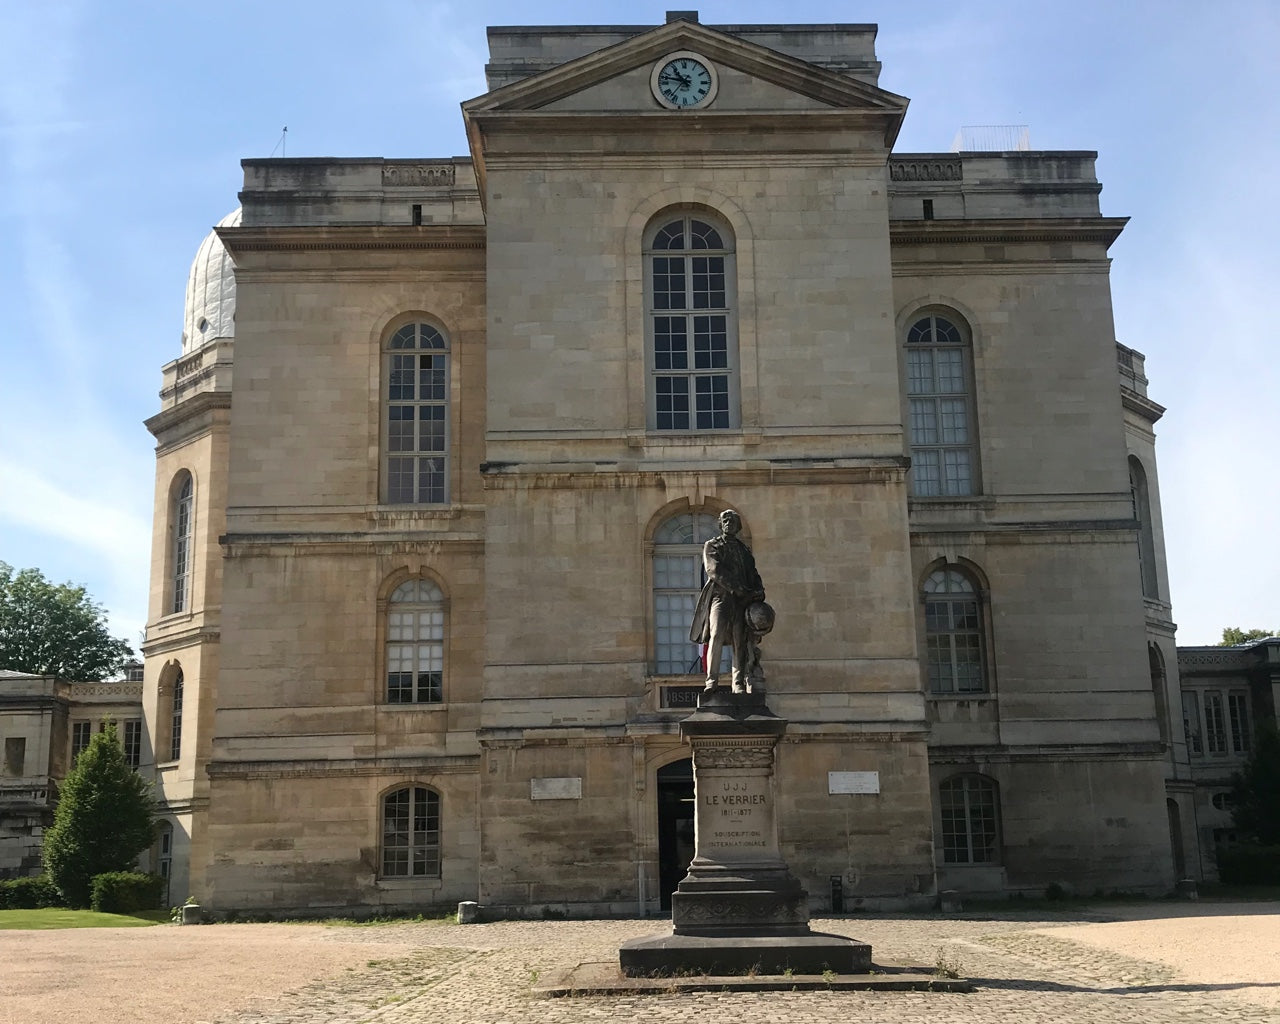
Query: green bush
x: 29, y: 894
x: 124, y: 892
x: 1249, y: 864
x: 102, y: 822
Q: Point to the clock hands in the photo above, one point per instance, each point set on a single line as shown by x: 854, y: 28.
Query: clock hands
x: 683, y: 81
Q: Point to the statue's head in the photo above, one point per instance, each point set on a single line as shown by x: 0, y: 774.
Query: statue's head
x: 730, y: 522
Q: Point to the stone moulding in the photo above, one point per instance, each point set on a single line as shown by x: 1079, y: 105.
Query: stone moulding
x: 435, y: 174
x: 390, y: 767
x: 926, y: 170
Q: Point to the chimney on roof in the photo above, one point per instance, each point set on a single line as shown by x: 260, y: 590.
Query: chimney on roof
x: 682, y: 16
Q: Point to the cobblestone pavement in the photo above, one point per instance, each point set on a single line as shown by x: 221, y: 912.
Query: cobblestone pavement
x: 1103, y: 966
x: 1024, y: 973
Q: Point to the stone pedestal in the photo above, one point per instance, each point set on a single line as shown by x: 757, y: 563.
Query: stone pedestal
x: 739, y: 909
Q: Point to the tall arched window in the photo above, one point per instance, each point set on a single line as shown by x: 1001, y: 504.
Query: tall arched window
x: 180, y: 557
x: 411, y: 833
x: 175, y: 717
x: 970, y: 820
x: 692, y: 327
x: 940, y: 409
x: 678, y: 577
x: 953, y: 631
x: 416, y: 398
x: 1141, y: 502
x: 415, y: 644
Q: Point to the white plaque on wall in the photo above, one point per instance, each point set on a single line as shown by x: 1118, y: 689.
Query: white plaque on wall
x: 853, y: 782
x: 555, y: 789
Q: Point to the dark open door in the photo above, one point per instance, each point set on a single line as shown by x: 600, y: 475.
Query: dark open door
x: 675, y: 826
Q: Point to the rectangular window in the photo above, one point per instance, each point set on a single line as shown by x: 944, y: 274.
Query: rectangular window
x: 15, y: 756
x: 1191, y: 721
x: 1215, y: 723
x: 968, y: 824
x: 81, y: 732
x: 132, y: 738
x: 1241, y: 730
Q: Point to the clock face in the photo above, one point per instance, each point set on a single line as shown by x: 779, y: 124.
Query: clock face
x: 682, y: 81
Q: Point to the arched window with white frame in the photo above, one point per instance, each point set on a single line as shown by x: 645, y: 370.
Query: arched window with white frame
x: 415, y: 643
x: 940, y: 411
x: 416, y: 411
x: 691, y: 323
x: 953, y: 632
x: 182, y: 526
x: 411, y: 833
x: 970, y: 808
x: 678, y: 577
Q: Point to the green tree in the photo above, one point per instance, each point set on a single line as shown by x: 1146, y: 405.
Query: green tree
x: 104, y: 819
x: 1255, y: 791
x: 1232, y: 635
x: 54, y: 629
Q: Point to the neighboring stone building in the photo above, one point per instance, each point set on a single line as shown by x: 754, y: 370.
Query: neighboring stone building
x: 422, y: 577
x: 44, y: 724
x: 1227, y: 693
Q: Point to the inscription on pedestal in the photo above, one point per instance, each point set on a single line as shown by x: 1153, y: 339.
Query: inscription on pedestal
x: 737, y: 815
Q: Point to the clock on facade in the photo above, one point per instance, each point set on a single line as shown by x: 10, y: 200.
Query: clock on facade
x: 683, y: 81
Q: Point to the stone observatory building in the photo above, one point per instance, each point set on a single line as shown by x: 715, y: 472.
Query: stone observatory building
x: 446, y: 435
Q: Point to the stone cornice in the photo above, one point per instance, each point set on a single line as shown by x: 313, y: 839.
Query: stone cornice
x: 189, y: 408
x: 1011, y: 753
x: 1141, y: 404
x: 179, y: 642
x: 500, y: 475
x: 1012, y: 230
x: 408, y: 768
x: 300, y: 542
x: 354, y: 237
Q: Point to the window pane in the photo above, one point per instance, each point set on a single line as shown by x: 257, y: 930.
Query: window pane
x: 919, y: 372
x: 708, y: 282
x: 1215, y: 728
x: 926, y: 473
x: 704, y: 236
x: 670, y: 343
x: 924, y: 421
x: 668, y: 282
x: 710, y: 343
x: 955, y: 464
x: 950, y: 368
x: 712, y: 395
x: 670, y: 237
x: 954, y: 420
x: 673, y: 403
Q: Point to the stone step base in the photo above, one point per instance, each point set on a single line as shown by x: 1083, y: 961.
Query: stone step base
x: 670, y: 955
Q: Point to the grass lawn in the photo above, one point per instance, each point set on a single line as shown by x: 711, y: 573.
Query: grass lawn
x: 29, y: 920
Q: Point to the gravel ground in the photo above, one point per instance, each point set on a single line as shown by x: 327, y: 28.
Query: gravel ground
x: 1159, y: 963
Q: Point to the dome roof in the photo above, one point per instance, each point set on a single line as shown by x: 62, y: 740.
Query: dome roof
x: 211, y: 291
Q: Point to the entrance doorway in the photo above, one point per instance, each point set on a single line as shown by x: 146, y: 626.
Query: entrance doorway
x: 675, y: 826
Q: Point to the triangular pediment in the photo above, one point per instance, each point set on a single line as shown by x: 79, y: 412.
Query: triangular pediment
x: 752, y: 79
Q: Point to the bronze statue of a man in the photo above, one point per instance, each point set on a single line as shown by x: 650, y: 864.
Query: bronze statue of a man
x: 733, y: 585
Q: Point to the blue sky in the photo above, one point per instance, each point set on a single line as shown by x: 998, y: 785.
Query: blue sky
x: 122, y: 124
